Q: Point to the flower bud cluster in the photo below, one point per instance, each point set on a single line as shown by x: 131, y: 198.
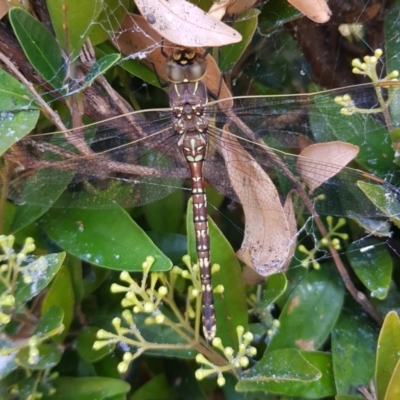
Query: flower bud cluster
x: 332, y: 239
x: 235, y: 361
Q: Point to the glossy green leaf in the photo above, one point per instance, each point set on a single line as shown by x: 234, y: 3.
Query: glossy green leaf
x: 84, y: 345
x: 61, y: 294
x: 317, y: 364
x: 310, y: 312
x: 36, y: 202
x: 108, y: 238
x: 51, y: 319
x: 230, y: 307
x: 14, y: 96
x: 40, y: 47
x: 353, y: 351
x: 393, y: 390
x: 90, y: 388
x: 14, y: 126
x: 246, y: 25
x: 388, y: 354
x: 49, y: 356
x: 100, y: 67
x: 156, y: 388
x: 7, y: 362
x: 72, y: 21
x: 274, y: 287
x: 165, y: 215
x: 276, y: 13
x: 189, y: 387
x: 351, y: 129
x: 41, y: 271
x: 109, y: 20
x: 372, y: 264
x: 387, y: 202
x: 285, y: 365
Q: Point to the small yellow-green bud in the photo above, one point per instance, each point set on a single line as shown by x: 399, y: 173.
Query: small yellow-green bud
x: 149, y: 321
x: 27, y: 278
x: 215, y: 268
x: 316, y: 265
x: 137, y: 309
x: 244, y: 362
x: 127, y: 357
x: 276, y: 323
x: 124, y: 276
x: 7, y: 301
x: 126, y: 303
x: 116, y: 323
x: 199, y: 374
x: 194, y: 292
x: 378, y: 53
x: 148, y: 307
x: 228, y: 351
x: 116, y: 288
x: 4, y: 319
x: 270, y: 332
x: 252, y: 351
x: 176, y: 270
x: 217, y: 342
x: 160, y: 318
x: 356, y: 63
x: 185, y: 274
x: 123, y: 367
x: 303, y: 249
x: 103, y: 334
x: 99, y: 344
x: 239, y: 330
x: 219, y: 289
x: 248, y: 337
x: 162, y: 291
x: 324, y: 242
x: 221, y: 381
x: 3, y: 268
x: 242, y: 348
x: 186, y: 260
x: 127, y: 316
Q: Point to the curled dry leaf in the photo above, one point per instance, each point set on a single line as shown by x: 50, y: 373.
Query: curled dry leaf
x: 268, y: 239
x: 185, y: 24
x: 336, y: 154
x: 316, y: 10
x: 219, y: 9
x: 136, y: 36
x: 4, y: 7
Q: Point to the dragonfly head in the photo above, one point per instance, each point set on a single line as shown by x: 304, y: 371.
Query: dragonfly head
x: 185, y: 65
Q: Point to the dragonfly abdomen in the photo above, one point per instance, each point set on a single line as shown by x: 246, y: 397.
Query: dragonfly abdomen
x: 194, y: 147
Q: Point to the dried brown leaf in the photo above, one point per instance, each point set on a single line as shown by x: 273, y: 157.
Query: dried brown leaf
x: 185, y: 24
x: 137, y: 36
x: 239, y: 6
x: 316, y: 10
x: 312, y: 158
x: 268, y: 239
x: 4, y: 7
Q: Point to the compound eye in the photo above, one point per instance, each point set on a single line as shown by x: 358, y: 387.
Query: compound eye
x: 196, y: 70
x: 174, y: 71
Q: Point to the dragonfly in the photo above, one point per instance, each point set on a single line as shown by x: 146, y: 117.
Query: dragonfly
x: 228, y: 143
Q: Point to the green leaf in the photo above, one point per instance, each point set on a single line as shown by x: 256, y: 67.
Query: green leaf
x: 276, y: 13
x: 274, y: 287
x: 72, y: 21
x: 393, y: 390
x: 331, y: 125
x: 90, y: 388
x: 61, y: 294
x: 278, y: 366
x: 14, y: 126
x: 372, y: 264
x: 109, y: 20
x: 14, y: 96
x: 310, y: 312
x: 230, y: 307
x: 51, y: 319
x: 246, y: 25
x: 49, y: 356
x: 388, y: 354
x: 353, y: 351
x: 36, y: 202
x: 100, y: 67
x: 41, y: 272
x: 84, y: 345
x: 309, y: 374
x: 7, y: 362
x: 386, y: 201
x: 39, y: 45
x: 108, y: 238
x: 157, y: 388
